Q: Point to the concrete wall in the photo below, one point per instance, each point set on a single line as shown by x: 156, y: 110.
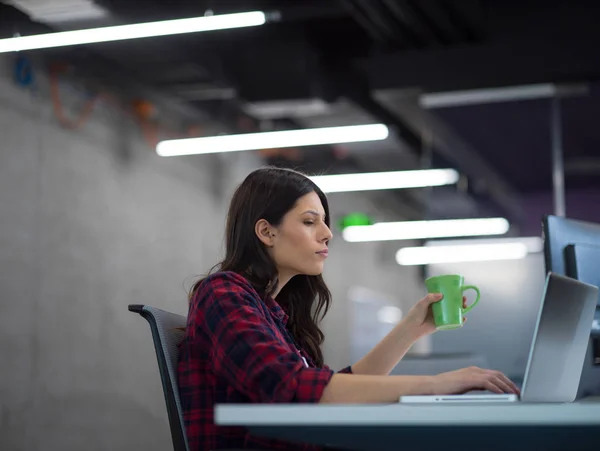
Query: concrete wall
x: 92, y: 220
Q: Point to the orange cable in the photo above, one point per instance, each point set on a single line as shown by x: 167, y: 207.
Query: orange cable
x: 150, y: 130
x: 59, y: 112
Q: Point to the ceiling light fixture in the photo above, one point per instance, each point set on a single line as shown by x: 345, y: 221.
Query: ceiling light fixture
x: 133, y: 31
x: 412, y: 230
x: 389, y: 314
x: 457, y: 251
x: 272, y: 140
x: 502, y: 94
x: 454, y: 254
x: 385, y: 180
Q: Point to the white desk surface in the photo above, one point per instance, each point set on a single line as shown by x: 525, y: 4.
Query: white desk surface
x: 581, y: 413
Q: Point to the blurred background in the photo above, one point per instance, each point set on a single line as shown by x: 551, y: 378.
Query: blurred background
x: 503, y: 95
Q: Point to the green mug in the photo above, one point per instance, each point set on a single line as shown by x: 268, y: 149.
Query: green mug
x: 448, y: 313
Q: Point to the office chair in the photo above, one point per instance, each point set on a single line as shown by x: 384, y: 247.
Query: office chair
x: 167, y: 333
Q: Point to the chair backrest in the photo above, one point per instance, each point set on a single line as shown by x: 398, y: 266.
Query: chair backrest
x: 166, y: 335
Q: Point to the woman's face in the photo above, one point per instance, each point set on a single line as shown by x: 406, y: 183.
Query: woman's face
x: 299, y: 244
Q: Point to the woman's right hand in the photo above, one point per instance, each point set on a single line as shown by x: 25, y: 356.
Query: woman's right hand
x: 471, y: 379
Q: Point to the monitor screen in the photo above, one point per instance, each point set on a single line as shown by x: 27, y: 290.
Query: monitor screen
x: 572, y: 248
x: 558, y: 233
x: 582, y: 262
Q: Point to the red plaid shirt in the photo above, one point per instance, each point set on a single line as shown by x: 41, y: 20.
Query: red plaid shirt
x: 237, y: 350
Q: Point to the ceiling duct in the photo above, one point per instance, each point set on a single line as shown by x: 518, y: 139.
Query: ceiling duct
x: 287, y: 108
x: 60, y: 11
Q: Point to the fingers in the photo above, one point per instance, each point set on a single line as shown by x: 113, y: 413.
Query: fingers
x: 506, y: 388
x: 481, y: 380
x: 493, y: 381
x: 500, y: 381
x: 464, y: 302
x: 432, y: 297
x: 475, y: 378
x: 508, y: 382
x: 490, y: 386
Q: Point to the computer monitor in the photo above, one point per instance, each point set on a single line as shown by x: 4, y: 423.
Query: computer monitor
x: 582, y: 262
x: 558, y: 233
x: 572, y: 248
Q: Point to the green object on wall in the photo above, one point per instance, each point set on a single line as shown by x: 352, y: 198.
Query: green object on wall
x: 354, y: 219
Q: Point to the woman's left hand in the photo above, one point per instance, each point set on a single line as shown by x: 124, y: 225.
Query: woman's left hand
x: 419, y: 319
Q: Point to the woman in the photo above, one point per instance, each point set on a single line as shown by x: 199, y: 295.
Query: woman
x: 253, y: 332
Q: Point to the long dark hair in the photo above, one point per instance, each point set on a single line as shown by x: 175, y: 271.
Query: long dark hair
x: 269, y: 193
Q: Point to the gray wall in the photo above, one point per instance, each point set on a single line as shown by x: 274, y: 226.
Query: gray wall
x: 91, y: 220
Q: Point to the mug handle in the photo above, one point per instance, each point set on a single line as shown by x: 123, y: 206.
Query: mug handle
x: 471, y: 287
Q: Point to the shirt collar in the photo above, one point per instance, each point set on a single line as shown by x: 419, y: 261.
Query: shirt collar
x: 276, y: 309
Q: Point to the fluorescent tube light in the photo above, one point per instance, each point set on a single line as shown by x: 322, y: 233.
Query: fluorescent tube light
x: 385, y: 180
x: 502, y: 94
x: 456, y: 251
x: 411, y: 230
x: 389, y: 314
x: 133, y: 31
x: 454, y: 254
x: 533, y: 244
x: 272, y: 140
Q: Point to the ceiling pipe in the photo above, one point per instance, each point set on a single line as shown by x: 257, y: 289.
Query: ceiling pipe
x: 343, y: 81
x: 411, y: 18
x: 558, y: 169
x: 363, y: 21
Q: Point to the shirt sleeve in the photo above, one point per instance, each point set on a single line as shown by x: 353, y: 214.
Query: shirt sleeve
x: 248, y: 354
x: 347, y: 370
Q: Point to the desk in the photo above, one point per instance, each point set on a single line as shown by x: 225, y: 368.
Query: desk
x: 531, y: 427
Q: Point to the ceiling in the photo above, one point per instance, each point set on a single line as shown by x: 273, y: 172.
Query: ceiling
x: 338, y: 62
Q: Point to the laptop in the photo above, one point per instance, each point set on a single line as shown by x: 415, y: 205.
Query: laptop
x: 557, y: 352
